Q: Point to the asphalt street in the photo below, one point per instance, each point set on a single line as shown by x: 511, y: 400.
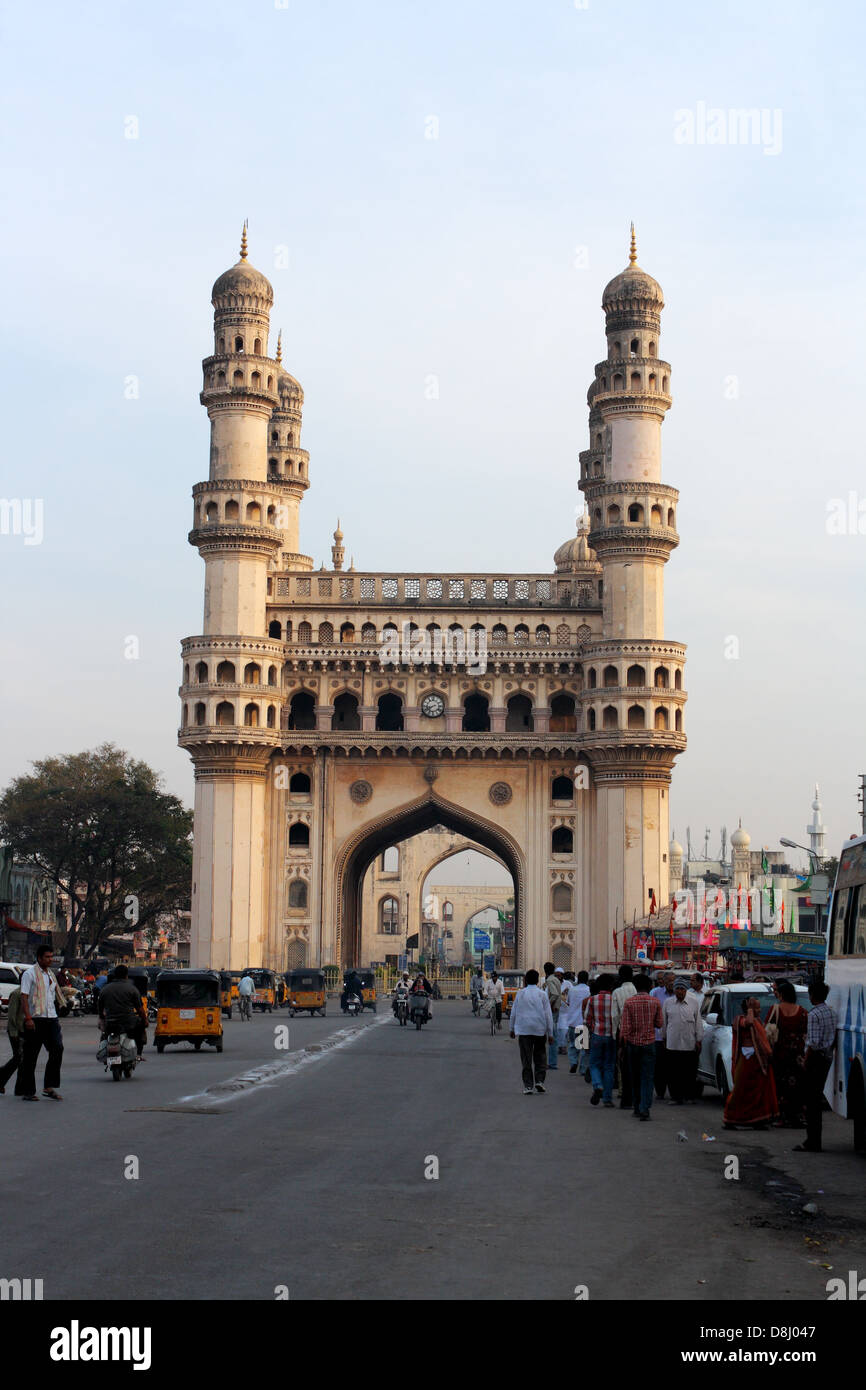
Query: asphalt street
x: 305, y: 1167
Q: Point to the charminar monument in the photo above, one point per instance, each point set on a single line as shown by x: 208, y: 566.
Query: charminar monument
x: 333, y: 713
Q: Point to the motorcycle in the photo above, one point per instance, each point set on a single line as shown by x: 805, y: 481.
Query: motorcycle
x: 401, y: 1009
x: 354, y: 1005
x: 118, y: 1054
x: 419, y: 1009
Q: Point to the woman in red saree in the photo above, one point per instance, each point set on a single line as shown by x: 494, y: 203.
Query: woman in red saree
x: 753, y: 1100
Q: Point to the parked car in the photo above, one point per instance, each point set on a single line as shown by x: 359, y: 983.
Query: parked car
x: 10, y: 974
x: 721, y: 1005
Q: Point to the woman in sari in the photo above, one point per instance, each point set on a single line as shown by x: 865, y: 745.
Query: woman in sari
x: 789, y: 1044
x: 753, y: 1101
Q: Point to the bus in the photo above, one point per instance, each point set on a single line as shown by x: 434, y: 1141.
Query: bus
x: 846, y: 976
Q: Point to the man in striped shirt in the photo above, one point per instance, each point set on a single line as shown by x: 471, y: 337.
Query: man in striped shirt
x: 641, y: 1016
x: 602, y: 1044
x: 820, y: 1045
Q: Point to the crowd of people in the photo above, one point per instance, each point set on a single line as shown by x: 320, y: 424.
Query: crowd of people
x: 644, y: 1042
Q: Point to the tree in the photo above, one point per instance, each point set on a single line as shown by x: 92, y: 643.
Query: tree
x: 100, y: 827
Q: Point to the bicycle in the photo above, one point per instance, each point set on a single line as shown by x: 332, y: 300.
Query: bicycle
x: 244, y: 1006
x: 488, y: 1010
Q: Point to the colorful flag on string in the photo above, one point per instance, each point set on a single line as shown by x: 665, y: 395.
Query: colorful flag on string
x: 653, y: 903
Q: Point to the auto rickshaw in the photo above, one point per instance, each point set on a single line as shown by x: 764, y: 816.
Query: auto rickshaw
x: 306, y: 992
x: 368, y: 992
x: 512, y: 981
x: 282, y: 991
x: 226, y: 993
x: 236, y: 979
x: 265, y: 997
x: 139, y: 977
x: 188, y: 1009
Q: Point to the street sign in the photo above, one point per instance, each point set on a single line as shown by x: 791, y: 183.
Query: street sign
x: 489, y: 961
x: 402, y: 963
x: 482, y: 940
x: 818, y: 890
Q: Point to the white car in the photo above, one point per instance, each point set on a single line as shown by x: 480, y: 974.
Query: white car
x: 721, y: 1005
x: 10, y: 975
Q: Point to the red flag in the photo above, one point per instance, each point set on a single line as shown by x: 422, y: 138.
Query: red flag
x: 653, y: 902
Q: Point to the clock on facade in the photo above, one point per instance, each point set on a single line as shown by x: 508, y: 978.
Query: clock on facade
x: 432, y: 706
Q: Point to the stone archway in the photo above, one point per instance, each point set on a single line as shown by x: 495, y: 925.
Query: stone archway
x: 400, y: 824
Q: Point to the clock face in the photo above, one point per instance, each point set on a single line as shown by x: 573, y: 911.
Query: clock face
x: 432, y: 706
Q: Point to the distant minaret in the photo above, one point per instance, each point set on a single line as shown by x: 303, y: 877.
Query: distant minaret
x: 338, y: 550
x: 815, y: 829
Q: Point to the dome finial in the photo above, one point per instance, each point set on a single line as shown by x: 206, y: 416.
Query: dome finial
x: 244, y: 241
x: 280, y: 348
x: 632, y: 254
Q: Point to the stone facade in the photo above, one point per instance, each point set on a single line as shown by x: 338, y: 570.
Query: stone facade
x: 332, y: 714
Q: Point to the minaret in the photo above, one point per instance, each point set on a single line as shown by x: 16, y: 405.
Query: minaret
x: 741, y: 858
x: 632, y: 698
x: 815, y: 829
x: 675, y: 866
x: 232, y: 671
x: 338, y: 550
x: 289, y: 464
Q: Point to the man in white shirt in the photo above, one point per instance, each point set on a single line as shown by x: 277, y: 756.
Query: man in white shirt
x: 495, y: 990
x: 624, y: 990
x: 41, y: 997
x: 684, y: 1029
x: 576, y: 995
x: 532, y: 1022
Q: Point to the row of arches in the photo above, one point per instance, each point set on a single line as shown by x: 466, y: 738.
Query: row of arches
x: 239, y: 379
x: 635, y: 515
x: 238, y: 344
x: 225, y: 714
x: 639, y: 379
x: 288, y: 469
x: 226, y: 674
x: 635, y: 676
x: 635, y: 348
x: 636, y: 718
x: 328, y: 633
x: 253, y: 515
x: 519, y: 716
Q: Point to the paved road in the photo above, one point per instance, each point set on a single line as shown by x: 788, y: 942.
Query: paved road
x: 314, y: 1178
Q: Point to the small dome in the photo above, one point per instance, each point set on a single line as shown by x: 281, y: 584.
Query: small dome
x: 577, y: 554
x: 242, y: 281
x: 631, y: 285
x: 675, y: 850
x: 740, y: 838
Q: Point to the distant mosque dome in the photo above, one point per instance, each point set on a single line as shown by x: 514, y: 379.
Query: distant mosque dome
x: 675, y: 850
x: 577, y: 553
x: 740, y: 838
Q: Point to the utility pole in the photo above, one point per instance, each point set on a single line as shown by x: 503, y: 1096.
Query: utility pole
x: 861, y: 797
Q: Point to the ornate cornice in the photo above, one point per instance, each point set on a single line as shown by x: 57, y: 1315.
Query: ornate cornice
x: 606, y: 487
x: 264, y: 646
x: 249, y: 540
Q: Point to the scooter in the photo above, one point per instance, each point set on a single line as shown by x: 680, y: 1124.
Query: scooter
x: 354, y: 1005
x: 118, y: 1054
x: 419, y: 1009
x: 401, y: 1009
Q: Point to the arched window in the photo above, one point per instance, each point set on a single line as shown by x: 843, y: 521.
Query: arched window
x: 634, y: 347
x: 596, y: 516
x: 521, y: 635
x: 635, y: 675
x: 252, y: 673
x: 661, y: 718
x: 636, y: 717
x: 305, y: 632
x: 618, y: 381
x: 226, y: 673
x: 238, y: 378
x: 661, y: 678
x: 298, y: 894
x: 326, y: 634
x: 518, y: 718
x: 347, y: 633
x: 609, y: 717
x: 562, y: 789
x: 613, y: 515
x: 542, y: 635
x: 200, y: 712
x: 201, y: 672
x: 302, y: 711
x: 652, y: 349
x: 299, y: 783
x: 563, y: 635
x: 635, y: 381
x: 275, y: 629
x: 239, y: 344
x: 389, y: 917
x: 368, y: 632
x: 391, y: 860
x: 299, y: 835
x: 561, y: 897
x: 499, y: 635
x: 678, y: 721
x: 346, y: 714
x: 678, y: 680
x: 251, y: 716
x: 591, y: 678
x: 611, y: 676
x: 562, y: 840
x: 447, y: 911
x: 272, y: 675
x: 390, y: 633
x: 257, y: 347
x: 476, y: 714
x: 590, y: 720
x: 233, y: 511
x: 653, y: 384
x: 256, y: 380
x: 635, y: 513
x: 656, y: 515
x: 563, y: 716
x: 225, y: 712
x: 389, y: 715
x: 671, y: 518
x: 211, y: 513
x: 664, y: 384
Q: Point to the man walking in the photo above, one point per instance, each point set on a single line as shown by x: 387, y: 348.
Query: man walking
x: 820, y: 1046
x: 532, y: 1023
x: 553, y: 990
x: 624, y: 990
x: 41, y: 996
x: 684, y: 1028
x: 602, y: 1044
x: 14, y: 1031
x: 641, y: 1016
x: 663, y: 990
x: 577, y: 995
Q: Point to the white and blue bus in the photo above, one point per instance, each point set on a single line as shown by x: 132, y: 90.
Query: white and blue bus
x: 846, y: 976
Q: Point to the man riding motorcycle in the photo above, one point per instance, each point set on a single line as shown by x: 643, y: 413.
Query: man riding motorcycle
x: 401, y: 990
x: 351, y: 985
x: 121, y: 1009
x: 421, y: 985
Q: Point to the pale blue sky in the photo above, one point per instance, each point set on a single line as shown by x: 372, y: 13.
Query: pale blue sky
x: 455, y: 257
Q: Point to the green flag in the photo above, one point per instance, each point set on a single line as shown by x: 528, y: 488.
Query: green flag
x: 501, y: 915
x: 791, y: 922
x: 765, y: 868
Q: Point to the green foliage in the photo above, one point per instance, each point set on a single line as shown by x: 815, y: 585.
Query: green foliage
x: 100, y: 827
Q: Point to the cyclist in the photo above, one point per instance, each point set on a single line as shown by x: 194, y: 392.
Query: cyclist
x: 476, y: 989
x: 246, y: 990
x: 494, y: 990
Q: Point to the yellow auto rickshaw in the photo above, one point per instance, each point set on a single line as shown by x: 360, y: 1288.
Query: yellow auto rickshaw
x: 188, y: 1008
x: 226, y: 983
x: 236, y: 979
x: 512, y: 981
x: 307, y: 992
x: 368, y: 992
x: 265, y: 996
